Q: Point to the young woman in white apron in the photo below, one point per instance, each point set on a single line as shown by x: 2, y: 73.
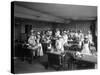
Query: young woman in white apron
x: 32, y: 42
x: 90, y: 38
x: 60, y: 44
x: 39, y: 50
x: 86, y: 46
x: 65, y: 39
x: 39, y: 46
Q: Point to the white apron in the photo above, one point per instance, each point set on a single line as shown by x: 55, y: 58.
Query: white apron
x: 85, y: 49
x: 65, y: 37
x: 39, y: 50
x: 90, y: 38
x: 59, y: 45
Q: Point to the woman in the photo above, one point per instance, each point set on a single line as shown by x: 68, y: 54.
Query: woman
x: 35, y: 45
x: 65, y: 38
x: 57, y: 33
x: 86, y: 46
x: 90, y: 37
x: 59, y: 44
x: 38, y: 46
x: 32, y: 42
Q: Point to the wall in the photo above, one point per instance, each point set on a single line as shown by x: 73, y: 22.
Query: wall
x: 80, y: 25
x: 20, y: 26
x: 44, y: 25
x: 76, y: 25
x: 17, y: 31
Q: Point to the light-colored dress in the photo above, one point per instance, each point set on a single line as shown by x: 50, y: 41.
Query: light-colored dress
x: 39, y: 50
x: 80, y: 38
x: 65, y: 37
x: 85, y: 48
x: 90, y: 38
x: 60, y: 45
x: 32, y: 43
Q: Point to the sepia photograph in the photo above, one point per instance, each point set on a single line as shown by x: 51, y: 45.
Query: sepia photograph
x: 51, y: 37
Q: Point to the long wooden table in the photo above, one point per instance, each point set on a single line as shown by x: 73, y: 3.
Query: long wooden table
x: 89, y: 58
x: 56, y: 58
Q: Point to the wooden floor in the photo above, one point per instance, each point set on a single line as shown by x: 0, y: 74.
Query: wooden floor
x: 37, y: 65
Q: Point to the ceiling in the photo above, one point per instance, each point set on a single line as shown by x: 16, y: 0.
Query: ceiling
x: 55, y: 12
